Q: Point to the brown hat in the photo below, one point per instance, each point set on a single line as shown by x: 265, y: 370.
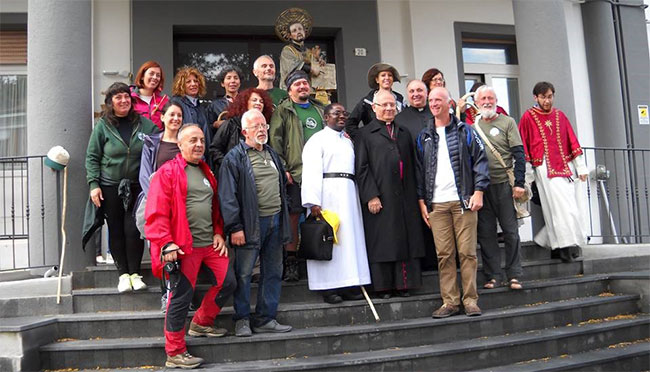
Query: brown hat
x: 289, y: 17
x: 376, y: 69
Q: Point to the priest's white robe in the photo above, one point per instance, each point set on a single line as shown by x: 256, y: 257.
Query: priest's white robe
x: 329, y: 151
x: 561, y: 206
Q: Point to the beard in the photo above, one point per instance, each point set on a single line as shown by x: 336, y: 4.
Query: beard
x: 488, y: 113
x: 261, y: 141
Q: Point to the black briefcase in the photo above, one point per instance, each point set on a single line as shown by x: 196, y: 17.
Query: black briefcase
x: 316, y: 240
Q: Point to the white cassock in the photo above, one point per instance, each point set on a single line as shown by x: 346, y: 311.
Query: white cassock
x: 329, y: 151
x: 561, y: 207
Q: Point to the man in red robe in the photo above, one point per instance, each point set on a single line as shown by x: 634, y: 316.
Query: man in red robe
x: 552, y: 149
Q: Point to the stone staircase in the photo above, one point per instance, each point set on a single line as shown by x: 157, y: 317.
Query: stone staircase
x: 561, y: 320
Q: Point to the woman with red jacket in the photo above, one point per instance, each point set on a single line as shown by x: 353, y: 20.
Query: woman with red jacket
x: 148, y: 99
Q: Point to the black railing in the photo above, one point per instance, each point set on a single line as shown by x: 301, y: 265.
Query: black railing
x: 618, y: 194
x: 20, y: 176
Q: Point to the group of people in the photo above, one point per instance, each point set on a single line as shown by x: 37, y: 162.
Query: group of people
x: 224, y: 185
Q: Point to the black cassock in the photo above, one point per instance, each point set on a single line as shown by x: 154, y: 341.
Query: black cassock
x: 415, y: 120
x: 394, y: 239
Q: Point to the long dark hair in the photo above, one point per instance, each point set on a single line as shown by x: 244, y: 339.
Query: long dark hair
x: 109, y: 113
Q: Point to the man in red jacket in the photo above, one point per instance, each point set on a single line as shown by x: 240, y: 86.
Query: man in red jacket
x: 185, y: 227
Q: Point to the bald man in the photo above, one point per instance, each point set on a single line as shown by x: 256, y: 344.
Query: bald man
x: 385, y: 172
x: 453, y: 176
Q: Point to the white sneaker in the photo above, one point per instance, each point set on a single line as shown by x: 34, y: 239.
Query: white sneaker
x: 137, y: 283
x: 100, y: 259
x: 125, y: 283
x: 109, y: 259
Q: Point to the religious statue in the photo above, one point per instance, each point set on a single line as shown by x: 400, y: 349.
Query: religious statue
x: 293, y: 26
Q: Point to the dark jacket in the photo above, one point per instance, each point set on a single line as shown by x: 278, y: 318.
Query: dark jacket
x: 238, y: 196
x: 363, y: 112
x: 390, y: 234
x: 228, y: 136
x: 195, y: 115
x: 468, y: 160
x: 414, y: 120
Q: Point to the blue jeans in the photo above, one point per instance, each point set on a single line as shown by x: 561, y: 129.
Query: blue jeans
x: 270, y: 285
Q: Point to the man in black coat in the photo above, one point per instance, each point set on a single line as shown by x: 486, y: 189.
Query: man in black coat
x: 385, y: 170
x: 415, y: 117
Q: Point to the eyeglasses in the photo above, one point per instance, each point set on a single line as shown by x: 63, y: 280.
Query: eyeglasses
x: 257, y: 127
x: 438, y: 80
x: 385, y: 105
x: 338, y: 113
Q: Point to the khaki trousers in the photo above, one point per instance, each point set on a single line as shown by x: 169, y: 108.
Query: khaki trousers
x: 455, y: 228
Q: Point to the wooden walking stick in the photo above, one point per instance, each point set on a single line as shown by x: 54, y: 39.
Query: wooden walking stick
x: 63, y: 233
x: 372, y: 306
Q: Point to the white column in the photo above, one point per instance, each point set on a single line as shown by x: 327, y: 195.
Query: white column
x: 59, y: 112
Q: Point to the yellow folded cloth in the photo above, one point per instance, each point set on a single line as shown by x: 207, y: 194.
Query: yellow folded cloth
x: 333, y: 220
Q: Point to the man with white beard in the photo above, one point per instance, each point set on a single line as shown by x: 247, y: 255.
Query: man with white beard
x: 502, y: 133
x: 252, y: 193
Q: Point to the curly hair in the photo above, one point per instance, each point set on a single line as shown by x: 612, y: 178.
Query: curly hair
x: 178, y: 89
x: 240, y: 104
x: 139, y: 77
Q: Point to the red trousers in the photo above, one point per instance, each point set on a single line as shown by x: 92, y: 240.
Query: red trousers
x: 179, y: 299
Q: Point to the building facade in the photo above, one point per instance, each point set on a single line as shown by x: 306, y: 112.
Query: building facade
x: 595, y: 52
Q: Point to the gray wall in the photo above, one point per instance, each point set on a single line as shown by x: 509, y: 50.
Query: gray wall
x: 543, y: 51
x: 354, y: 23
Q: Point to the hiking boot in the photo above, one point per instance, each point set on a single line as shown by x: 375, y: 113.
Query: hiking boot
x: 124, y: 284
x: 472, y: 310
x: 243, y: 328
x: 183, y: 360
x: 291, y: 270
x: 273, y: 327
x: 198, y: 330
x: 445, y: 311
x: 136, y: 282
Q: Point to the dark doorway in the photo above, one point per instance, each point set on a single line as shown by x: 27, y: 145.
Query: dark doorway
x: 210, y: 53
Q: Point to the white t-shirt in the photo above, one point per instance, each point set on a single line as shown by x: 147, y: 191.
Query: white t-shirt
x: 146, y: 98
x: 445, y: 184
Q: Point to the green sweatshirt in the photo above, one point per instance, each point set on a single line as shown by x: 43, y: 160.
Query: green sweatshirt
x: 108, y: 156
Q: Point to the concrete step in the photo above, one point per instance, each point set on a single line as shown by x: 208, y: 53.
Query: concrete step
x: 459, y: 355
x: 320, y: 314
x: 309, y: 343
x: 626, y: 356
x: 107, y: 276
x: 109, y: 299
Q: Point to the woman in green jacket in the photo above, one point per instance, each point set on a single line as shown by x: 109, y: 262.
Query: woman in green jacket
x: 112, y: 168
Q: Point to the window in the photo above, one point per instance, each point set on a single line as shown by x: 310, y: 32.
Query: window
x: 13, y: 112
x: 210, y: 53
x: 500, y: 52
x: 493, y: 61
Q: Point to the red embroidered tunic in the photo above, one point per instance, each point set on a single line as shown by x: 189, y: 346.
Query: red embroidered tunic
x: 549, y: 136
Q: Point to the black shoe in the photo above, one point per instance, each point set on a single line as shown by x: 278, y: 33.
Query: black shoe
x: 332, y: 298
x: 384, y: 295
x: 404, y: 293
x: 565, y: 255
x: 291, y: 269
x: 350, y: 294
